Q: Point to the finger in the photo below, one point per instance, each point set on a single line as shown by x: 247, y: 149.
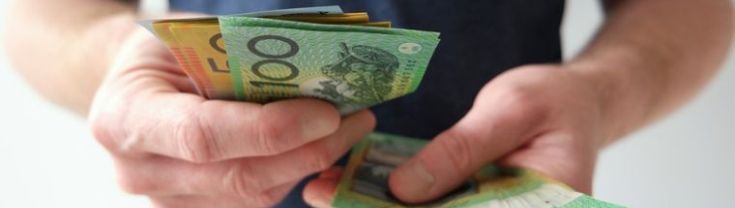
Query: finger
x: 266, y: 199
x: 313, y: 157
x: 321, y: 192
x: 243, y: 177
x: 140, y: 108
x: 188, y: 127
x: 333, y: 172
x: 482, y: 136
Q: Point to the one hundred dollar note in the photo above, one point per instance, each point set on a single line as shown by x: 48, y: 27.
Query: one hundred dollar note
x: 199, y: 48
x: 352, y: 66
x: 364, y: 183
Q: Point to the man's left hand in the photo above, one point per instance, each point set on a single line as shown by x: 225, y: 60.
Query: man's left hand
x: 547, y: 118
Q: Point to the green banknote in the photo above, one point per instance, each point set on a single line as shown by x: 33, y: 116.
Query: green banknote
x: 353, y: 67
x: 364, y: 184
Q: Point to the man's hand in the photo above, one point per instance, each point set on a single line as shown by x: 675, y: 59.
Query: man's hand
x: 647, y: 59
x: 540, y: 117
x: 184, y: 151
x: 543, y: 117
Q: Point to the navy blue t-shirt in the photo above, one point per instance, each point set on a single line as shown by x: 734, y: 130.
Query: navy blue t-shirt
x: 479, y: 40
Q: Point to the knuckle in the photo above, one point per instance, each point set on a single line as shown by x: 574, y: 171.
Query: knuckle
x: 108, y: 128
x: 269, y: 138
x: 101, y: 131
x: 371, y: 120
x: 458, y: 151
x: 195, y: 145
x: 241, y: 182
x: 267, y: 199
x: 108, y: 119
x: 524, y: 102
x: 319, y: 158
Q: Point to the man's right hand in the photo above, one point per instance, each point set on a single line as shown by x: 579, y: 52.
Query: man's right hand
x: 182, y: 150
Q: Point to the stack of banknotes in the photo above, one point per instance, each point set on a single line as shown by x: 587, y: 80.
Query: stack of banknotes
x: 317, y: 52
x: 354, y: 63
x: 364, y: 182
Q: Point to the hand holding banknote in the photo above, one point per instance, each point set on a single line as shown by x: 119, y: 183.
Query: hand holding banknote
x: 182, y: 150
x: 544, y: 117
x: 224, y: 153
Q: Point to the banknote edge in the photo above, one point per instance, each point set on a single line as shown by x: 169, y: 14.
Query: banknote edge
x: 330, y: 9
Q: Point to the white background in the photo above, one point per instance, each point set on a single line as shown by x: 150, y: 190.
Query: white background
x: 49, y: 159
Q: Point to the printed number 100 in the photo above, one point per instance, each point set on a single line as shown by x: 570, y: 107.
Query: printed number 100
x: 261, y: 72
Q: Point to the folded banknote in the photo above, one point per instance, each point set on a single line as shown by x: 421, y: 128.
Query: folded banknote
x: 364, y: 182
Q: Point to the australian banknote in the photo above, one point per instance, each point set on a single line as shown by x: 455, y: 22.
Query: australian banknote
x: 317, y: 52
x: 365, y: 182
x: 352, y: 66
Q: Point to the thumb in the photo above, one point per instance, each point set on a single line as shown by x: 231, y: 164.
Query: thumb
x: 455, y: 154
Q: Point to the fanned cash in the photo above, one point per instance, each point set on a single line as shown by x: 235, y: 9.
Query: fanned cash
x: 364, y: 183
x: 354, y: 67
x: 198, y: 45
x: 306, y: 52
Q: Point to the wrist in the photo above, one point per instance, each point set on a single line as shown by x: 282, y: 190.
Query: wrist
x: 105, y: 37
x: 620, y: 99
x: 96, y: 48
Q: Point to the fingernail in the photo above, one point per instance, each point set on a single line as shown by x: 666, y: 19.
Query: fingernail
x: 316, y: 201
x: 418, y: 179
